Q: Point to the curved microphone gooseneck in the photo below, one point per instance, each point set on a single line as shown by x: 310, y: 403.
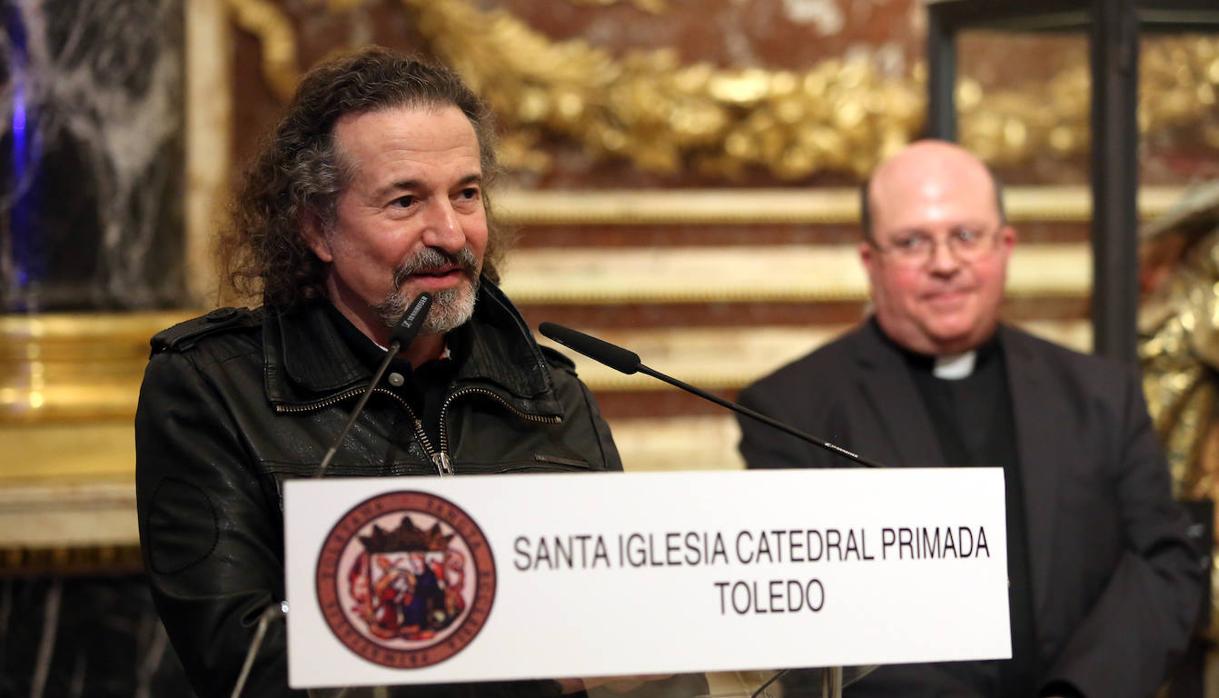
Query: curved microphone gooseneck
x: 626, y: 361
x: 400, y: 338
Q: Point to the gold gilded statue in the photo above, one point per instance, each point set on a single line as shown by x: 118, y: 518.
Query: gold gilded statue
x: 1179, y: 345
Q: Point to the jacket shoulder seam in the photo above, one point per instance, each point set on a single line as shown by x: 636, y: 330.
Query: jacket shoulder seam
x: 187, y: 334
x: 557, y: 359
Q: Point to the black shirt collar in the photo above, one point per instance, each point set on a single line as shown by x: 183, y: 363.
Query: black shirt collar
x: 372, y: 354
x: 986, y: 352
x: 305, y: 354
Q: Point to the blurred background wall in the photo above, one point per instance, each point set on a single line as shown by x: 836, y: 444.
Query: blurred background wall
x: 682, y: 174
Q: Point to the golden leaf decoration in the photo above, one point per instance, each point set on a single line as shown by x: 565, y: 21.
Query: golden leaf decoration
x: 655, y: 7
x: 668, y: 117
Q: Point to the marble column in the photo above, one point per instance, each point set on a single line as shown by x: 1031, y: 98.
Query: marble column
x: 91, y: 190
x: 91, y: 155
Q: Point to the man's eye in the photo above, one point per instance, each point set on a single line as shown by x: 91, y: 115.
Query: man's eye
x: 403, y: 201
x: 469, y: 193
x: 909, y: 244
x: 968, y: 236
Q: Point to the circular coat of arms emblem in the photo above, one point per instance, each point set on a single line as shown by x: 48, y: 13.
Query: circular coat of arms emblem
x: 406, y: 579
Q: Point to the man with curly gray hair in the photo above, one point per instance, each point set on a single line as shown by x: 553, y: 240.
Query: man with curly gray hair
x: 294, y: 184
x: 370, y: 192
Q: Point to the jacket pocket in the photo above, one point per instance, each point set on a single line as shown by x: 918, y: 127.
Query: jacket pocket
x: 274, y: 475
x: 541, y: 463
x: 544, y: 458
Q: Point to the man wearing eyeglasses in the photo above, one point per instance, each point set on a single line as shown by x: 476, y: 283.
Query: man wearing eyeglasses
x: 1104, y: 585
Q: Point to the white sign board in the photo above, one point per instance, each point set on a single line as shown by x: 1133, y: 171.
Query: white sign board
x: 429, y: 580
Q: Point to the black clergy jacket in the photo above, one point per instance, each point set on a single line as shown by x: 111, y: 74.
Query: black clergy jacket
x: 1116, y: 582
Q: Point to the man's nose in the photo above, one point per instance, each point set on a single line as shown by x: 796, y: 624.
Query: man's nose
x: 443, y: 227
x: 943, y: 258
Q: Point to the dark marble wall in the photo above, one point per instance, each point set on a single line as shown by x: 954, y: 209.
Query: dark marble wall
x: 91, y: 189
x: 84, y: 636
x: 91, y: 155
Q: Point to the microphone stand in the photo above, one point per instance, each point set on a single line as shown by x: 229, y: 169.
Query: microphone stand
x: 831, y: 677
x: 753, y: 414
x: 628, y: 362
x: 831, y: 683
x: 268, y: 614
x: 403, y: 334
x: 625, y: 361
x: 394, y: 347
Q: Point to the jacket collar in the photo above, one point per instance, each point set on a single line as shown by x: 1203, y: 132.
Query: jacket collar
x: 893, y: 397
x: 306, y: 359
x: 1043, y: 440
x: 1039, y: 426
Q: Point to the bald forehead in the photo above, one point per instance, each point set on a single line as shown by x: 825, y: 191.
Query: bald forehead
x: 931, y: 171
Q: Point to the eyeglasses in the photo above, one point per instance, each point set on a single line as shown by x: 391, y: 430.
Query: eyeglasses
x: 916, y: 249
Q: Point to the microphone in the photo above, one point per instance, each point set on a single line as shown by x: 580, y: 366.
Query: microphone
x: 612, y: 355
x: 412, y: 321
x: 626, y: 361
x: 400, y: 337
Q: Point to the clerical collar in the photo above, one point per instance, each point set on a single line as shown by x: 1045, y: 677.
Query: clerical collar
x: 946, y: 366
x: 954, y: 367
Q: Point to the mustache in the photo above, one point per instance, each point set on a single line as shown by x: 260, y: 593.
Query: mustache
x: 430, y: 259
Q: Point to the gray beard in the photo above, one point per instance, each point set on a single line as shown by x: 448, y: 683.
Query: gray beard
x: 451, y: 307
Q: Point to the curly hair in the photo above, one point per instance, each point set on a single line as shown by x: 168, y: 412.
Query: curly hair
x: 299, y: 171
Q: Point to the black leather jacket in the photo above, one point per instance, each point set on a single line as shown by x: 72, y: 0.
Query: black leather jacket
x: 237, y: 401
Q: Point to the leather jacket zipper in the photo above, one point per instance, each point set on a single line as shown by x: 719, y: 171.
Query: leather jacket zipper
x: 462, y: 392
x: 439, y: 459
x: 443, y: 465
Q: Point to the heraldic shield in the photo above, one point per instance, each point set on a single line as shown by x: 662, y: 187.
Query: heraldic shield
x: 406, y: 579
x: 409, y: 583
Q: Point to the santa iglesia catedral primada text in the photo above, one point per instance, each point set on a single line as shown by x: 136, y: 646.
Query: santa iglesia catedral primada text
x: 747, y: 547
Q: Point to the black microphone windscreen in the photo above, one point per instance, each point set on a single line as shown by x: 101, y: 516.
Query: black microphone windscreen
x: 412, y: 320
x: 600, y: 350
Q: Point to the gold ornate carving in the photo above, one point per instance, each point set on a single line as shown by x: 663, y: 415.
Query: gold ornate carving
x: 73, y: 368
x: 653, y: 6
x: 1178, y: 79
x: 820, y: 206
x: 88, y: 559
x: 69, y: 383
x: 82, y: 520
x: 1179, y: 342
x: 770, y: 273
x: 665, y: 116
x: 274, y: 30
x: 1179, y: 348
x: 68, y: 390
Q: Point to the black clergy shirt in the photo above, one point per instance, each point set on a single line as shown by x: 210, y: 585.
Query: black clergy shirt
x: 974, y: 425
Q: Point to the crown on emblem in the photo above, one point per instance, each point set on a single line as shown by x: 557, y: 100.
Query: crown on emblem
x: 407, y: 537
